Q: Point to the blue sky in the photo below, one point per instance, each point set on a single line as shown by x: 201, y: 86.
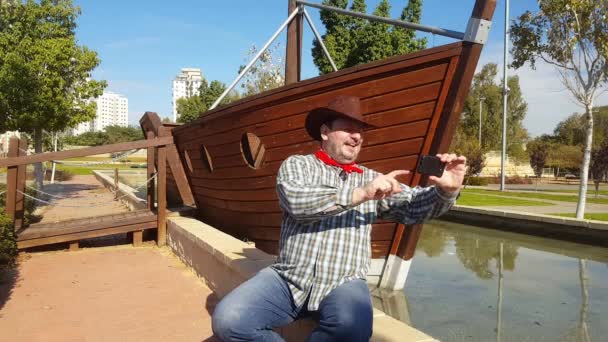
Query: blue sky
x: 143, y: 45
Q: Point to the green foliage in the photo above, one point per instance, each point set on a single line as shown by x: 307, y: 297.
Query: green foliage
x: 111, y: 135
x: 8, y: 241
x: 599, y: 165
x: 478, y: 181
x: 268, y: 73
x: 352, y: 41
x: 485, y: 87
x: 571, y: 131
x: 190, y: 108
x: 565, y: 157
x: 44, y: 74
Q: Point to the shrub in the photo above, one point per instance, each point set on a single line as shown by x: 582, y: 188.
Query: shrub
x: 480, y: 181
x: 8, y: 241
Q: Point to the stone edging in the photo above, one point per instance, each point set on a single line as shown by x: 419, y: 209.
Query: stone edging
x: 564, y: 228
x: 125, y: 192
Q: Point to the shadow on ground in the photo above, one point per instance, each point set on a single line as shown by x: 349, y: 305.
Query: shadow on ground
x: 8, y: 279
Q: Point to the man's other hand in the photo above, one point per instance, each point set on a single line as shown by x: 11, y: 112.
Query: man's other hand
x: 453, y: 174
x: 381, y: 187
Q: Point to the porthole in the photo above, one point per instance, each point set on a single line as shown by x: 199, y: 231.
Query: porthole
x: 206, y: 158
x: 253, y: 150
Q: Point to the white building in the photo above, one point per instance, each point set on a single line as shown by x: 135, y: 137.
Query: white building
x: 112, y: 110
x: 185, y: 84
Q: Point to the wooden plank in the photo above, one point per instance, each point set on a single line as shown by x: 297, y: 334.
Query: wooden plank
x: 11, y: 179
x: 83, y: 235
x: 142, y: 215
x: 21, y: 179
x: 235, y: 184
x: 255, y: 206
x: 37, y: 231
x: 380, y: 249
x: 245, y: 194
x: 150, y: 162
x: 162, y: 197
x: 178, y: 175
x: 293, y: 53
x: 83, y: 152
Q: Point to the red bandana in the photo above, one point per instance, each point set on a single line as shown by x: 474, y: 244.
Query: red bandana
x: 348, y: 168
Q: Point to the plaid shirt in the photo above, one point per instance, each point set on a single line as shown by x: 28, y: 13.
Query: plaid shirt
x: 325, y: 240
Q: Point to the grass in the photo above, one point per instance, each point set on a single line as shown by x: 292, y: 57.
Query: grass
x: 538, y: 195
x: 588, y: 216
x: 87, y: 170
x: 98, y: 159
x: 484, y: 200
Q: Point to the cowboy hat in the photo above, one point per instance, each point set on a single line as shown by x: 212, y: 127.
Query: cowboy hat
x: 347, y: 107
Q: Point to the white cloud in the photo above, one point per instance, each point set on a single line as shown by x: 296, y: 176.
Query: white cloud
x: 548, y: 100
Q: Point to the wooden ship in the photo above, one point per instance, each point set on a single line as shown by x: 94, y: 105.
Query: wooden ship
x: 232, y: 153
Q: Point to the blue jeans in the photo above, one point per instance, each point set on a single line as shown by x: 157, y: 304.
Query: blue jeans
x: 264, y: 302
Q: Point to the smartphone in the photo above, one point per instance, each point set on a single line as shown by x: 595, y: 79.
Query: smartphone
x: 431, y: 165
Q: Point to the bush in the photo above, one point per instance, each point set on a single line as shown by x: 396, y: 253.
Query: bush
x: 479, y: 181
x: 8, y: 241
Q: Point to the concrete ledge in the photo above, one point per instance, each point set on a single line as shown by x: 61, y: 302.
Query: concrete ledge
x: 563, y: 228
x: 224, y: 262
x: 125, y: 192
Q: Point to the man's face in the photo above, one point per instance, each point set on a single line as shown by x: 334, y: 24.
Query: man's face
x: 342, y: 140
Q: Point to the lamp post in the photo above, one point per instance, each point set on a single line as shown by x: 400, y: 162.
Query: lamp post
x: 481, y: 98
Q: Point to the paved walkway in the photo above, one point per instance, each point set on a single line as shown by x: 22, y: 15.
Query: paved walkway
x: 104, y: 294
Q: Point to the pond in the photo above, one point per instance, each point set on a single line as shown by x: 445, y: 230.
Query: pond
x: 473, y: 284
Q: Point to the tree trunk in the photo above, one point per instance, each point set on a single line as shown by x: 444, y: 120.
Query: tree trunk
x: 38, y: 172
x: 584, y: 176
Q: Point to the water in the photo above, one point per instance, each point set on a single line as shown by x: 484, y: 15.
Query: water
x: 551, y: 290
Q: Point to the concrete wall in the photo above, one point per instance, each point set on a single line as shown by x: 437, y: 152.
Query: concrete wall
x: 224, y: 262
x: 563, y: 228
x: 126, y: 193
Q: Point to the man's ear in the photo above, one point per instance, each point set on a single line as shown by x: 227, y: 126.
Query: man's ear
x: 324, y: 131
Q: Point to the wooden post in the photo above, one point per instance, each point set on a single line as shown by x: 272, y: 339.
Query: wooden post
x: 19, y: 197
x: 162, y: 196
x: 11, y: 179
x: 293, y: 53
x: 150, y: 173
x: 137, y: 238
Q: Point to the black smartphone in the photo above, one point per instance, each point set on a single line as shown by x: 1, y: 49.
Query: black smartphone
x: 431, y: 165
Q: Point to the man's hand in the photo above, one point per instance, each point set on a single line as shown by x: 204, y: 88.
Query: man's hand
x: 453, y: 174
x: 381, y: 187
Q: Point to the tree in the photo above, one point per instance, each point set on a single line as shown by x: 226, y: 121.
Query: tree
x: 599, y: 166
x: 44, y: 74
x: 268, y: 73
x: 352, y: 41
x: 539, y: 151
x: 485, y: 87
x: 571, y: 131
x: 191, y: 108
x: 565, y: 157
x: 118, y: 134
x: 475, y: 155
x: 571, y: 35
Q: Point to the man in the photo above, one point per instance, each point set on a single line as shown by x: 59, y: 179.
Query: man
x: 329, y: 204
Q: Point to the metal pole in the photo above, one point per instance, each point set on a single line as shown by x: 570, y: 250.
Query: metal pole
x: 314, y: 30
x: 257, y: 56
x: 419, y: 27
x: 480, y: 108
x: 500, y: 285
x: 505, y: 94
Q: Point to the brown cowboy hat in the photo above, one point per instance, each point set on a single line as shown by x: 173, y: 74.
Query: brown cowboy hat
x: 348, y: 107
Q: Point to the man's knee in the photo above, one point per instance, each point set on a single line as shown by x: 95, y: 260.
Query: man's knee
x: 224, y: 320
x: 350, y: 324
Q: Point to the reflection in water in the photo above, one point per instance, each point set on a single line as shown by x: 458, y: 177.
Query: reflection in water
x: 464, y: 286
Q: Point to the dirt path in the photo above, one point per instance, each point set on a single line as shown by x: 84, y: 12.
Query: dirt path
x: 104, y: 294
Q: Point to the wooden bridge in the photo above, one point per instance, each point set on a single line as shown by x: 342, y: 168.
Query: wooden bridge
x: 161, y: 153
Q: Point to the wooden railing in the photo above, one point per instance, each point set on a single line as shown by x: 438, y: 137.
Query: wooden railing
x: 18, y: 160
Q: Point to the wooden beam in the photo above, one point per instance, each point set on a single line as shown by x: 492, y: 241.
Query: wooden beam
x: 11, y: 179
x: 19, y: 197
x: 150, y: 172
x: 293, y: 53
x: 162, y: 196
x: 407, y: 247
x: 83, y: 152
x: 138, y: 238
x: 74, y: 245
x: 84, y: 235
